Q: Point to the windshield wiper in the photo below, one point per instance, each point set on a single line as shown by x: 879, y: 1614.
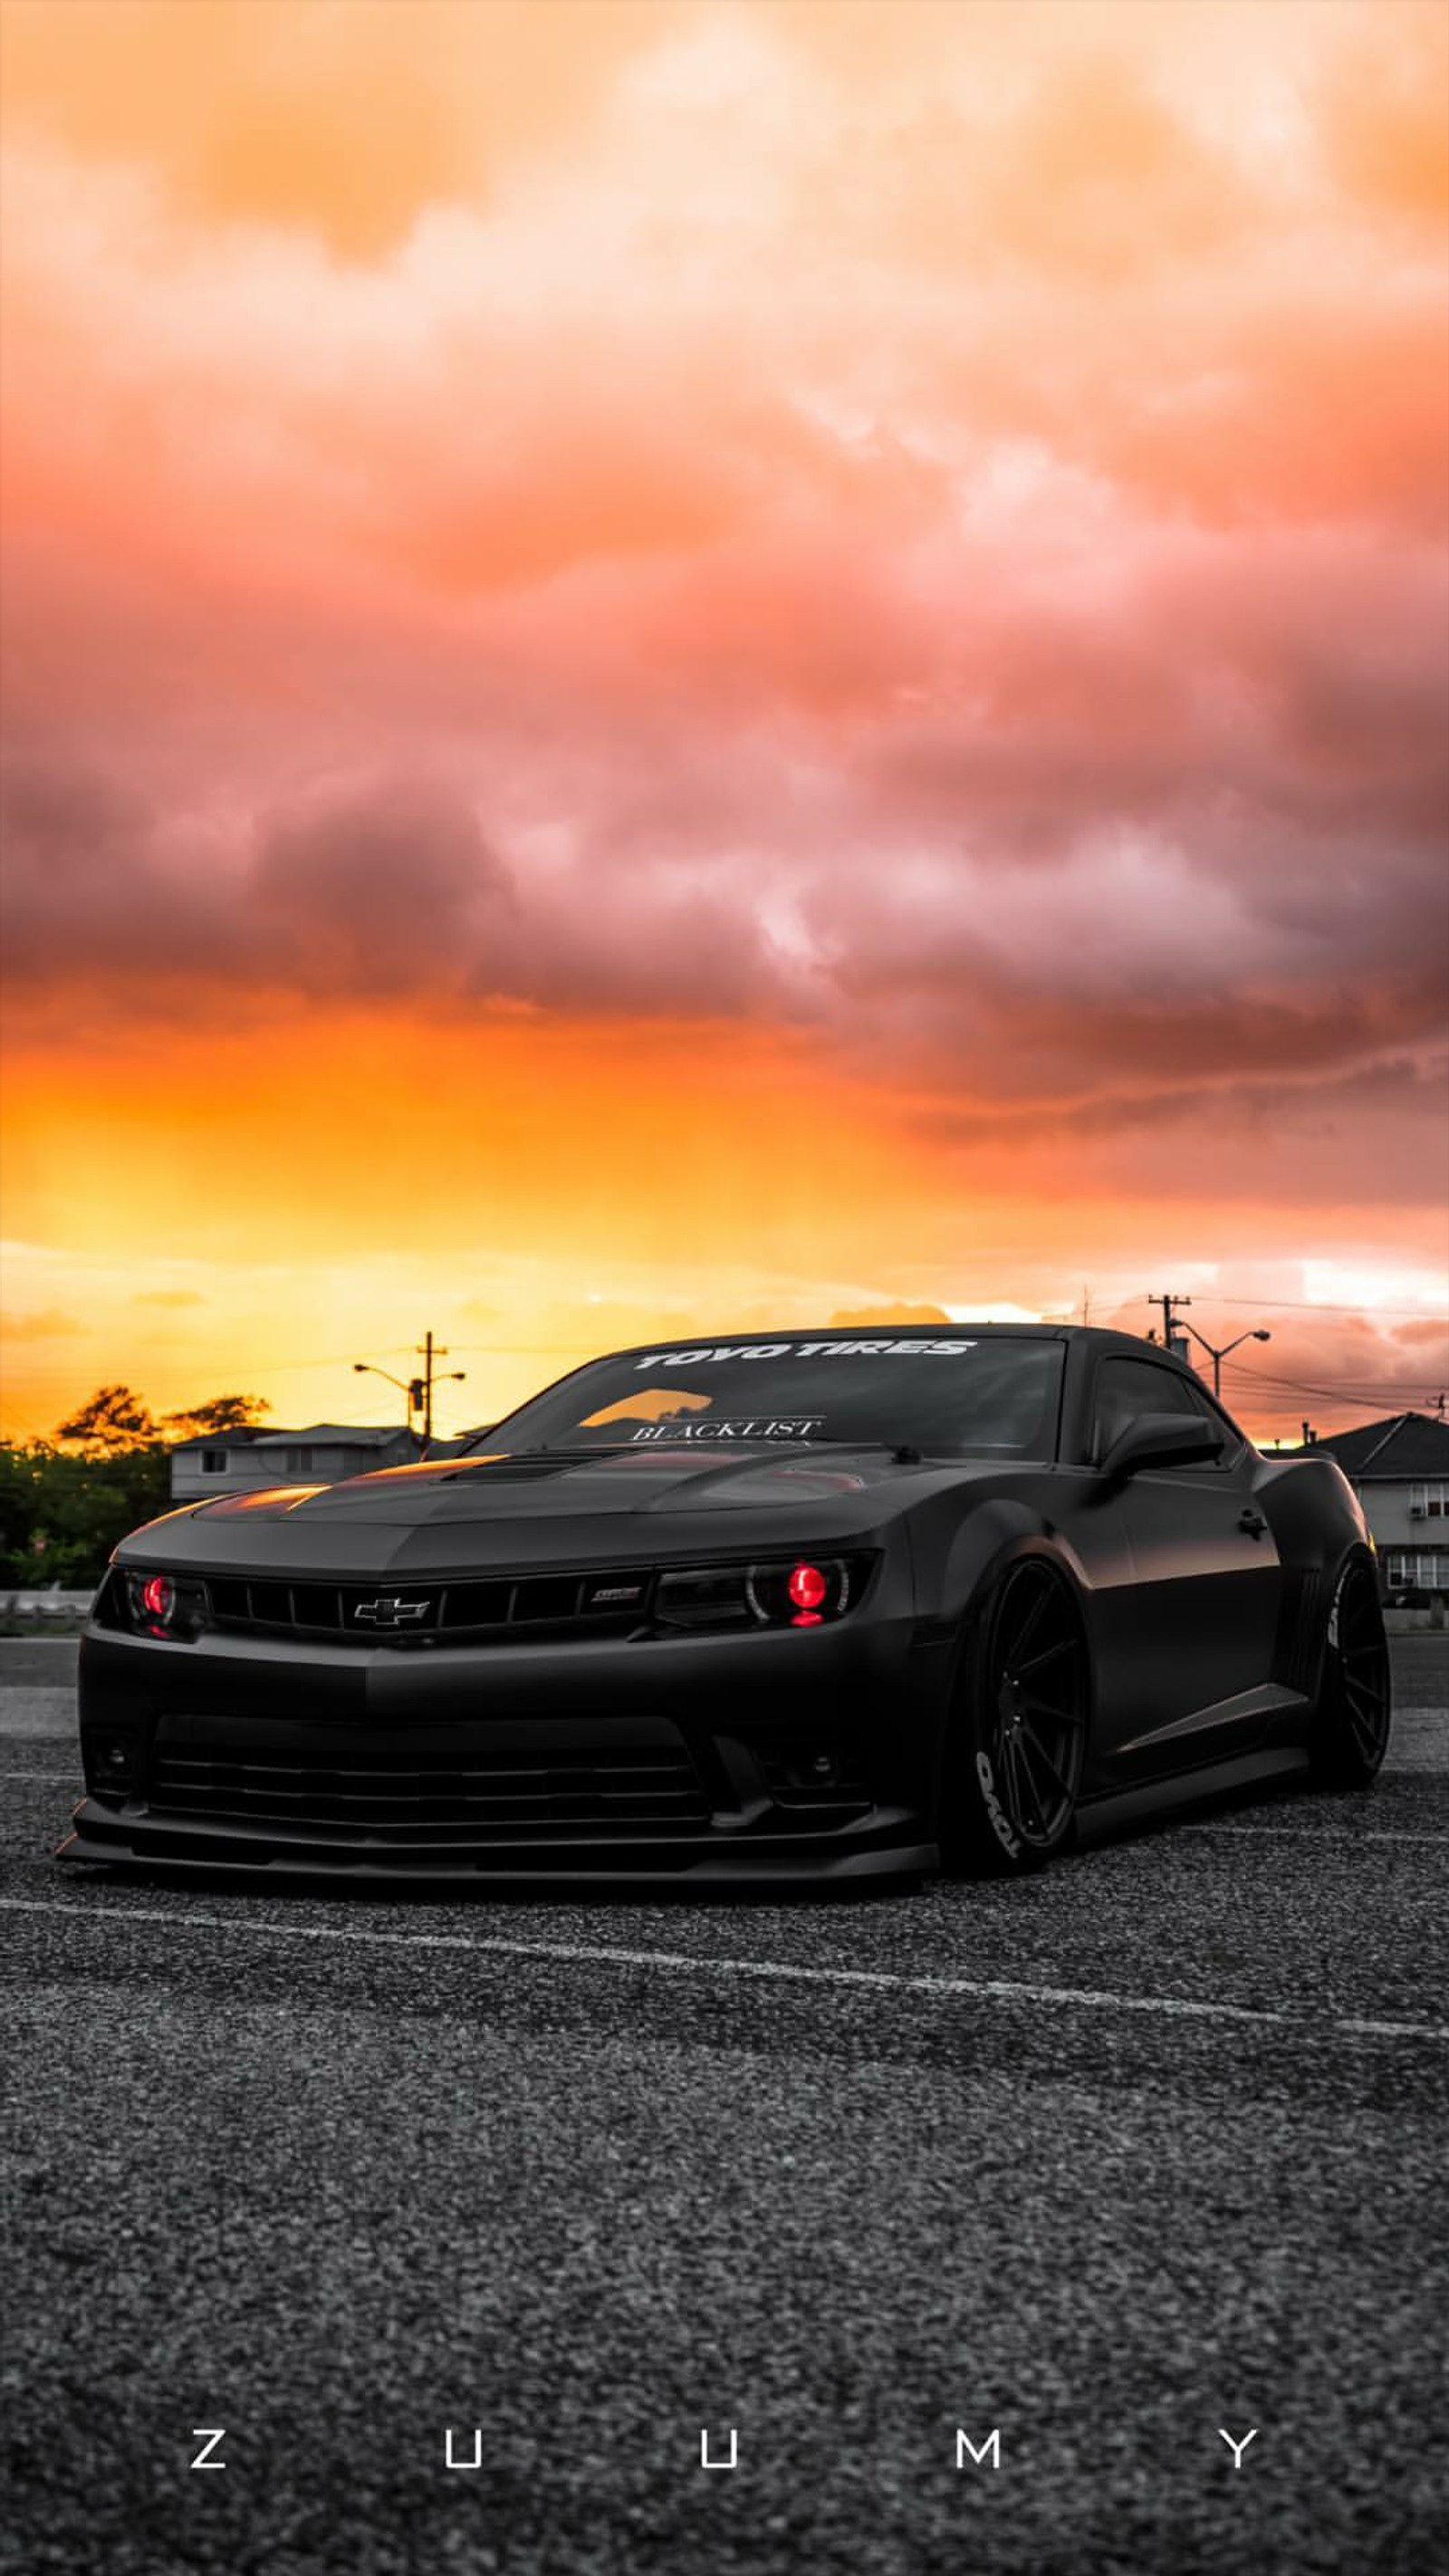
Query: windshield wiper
x: 591, y: 1449
x: 903, y: 1452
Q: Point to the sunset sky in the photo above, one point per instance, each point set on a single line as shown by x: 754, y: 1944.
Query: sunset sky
x: 680, y: 666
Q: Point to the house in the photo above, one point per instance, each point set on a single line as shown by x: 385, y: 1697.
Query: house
x: 241, y: 1462
x: 1399, y: 1470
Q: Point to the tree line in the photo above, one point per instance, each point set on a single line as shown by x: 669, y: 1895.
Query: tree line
x: 66, y: 1500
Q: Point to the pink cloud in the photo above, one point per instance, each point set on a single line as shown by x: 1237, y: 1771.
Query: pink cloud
x: 937, y: 542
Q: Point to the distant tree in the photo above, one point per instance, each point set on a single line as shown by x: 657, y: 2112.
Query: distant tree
x: 64, y: 1503
x: 20, y: 1476
x: 222, y: 1413
x: 114, y: 1421
x: 61, y: 1514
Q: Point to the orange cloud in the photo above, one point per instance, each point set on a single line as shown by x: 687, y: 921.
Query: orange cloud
x: 732, y: 636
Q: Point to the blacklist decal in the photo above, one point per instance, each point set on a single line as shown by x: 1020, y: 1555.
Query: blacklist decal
x: 804, y: 1351
x: 761, y: 1426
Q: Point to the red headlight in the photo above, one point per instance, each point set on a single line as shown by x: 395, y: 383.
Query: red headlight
x: 807, y: 1587
x: 172, y: 1606
x: 800, y: 1595
x: 798, y: 1592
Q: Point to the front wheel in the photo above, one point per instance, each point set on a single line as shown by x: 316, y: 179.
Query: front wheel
x: 1019, y: 1728
x: 1355, y: 1706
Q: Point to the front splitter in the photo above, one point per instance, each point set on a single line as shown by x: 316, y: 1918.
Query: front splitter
x: 738, y: 1868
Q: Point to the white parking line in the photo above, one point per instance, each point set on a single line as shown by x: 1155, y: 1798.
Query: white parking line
x: 73, y: 1776
x: 1318, y: 1834
x: 878, y: 1980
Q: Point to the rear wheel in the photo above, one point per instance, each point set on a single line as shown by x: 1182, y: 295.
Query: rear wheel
x: 1019, y: 1730
x: 1355, y: 1705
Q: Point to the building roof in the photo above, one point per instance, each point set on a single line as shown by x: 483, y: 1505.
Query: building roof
x: 350, y: 1435
x: 1404, y: 1445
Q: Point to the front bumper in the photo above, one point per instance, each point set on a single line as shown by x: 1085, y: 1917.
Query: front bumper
x: 698, y: 1761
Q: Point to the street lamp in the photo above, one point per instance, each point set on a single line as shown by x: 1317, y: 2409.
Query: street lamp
x: 408, y: 1387
x: 418, y: 1390
x: 1255, y: 1333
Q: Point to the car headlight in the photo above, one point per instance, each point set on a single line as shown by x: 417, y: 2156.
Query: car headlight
x: 791, y: 1592
x: 163, y: 1605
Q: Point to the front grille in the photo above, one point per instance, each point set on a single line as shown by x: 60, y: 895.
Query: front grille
x: 393, y: 1612
x: 423, y: 1797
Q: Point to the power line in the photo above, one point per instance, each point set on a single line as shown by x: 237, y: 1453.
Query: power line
x: 1359, y: 1386
x: 1312, y: 1306
x: 1400, y: 1395
x: 1292, y: 1390
x: 1340, y: 1385
x: 271, y: 1368
x: 574, y: 1353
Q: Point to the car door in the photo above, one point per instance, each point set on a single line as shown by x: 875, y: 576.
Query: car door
x: 1196, y: 1626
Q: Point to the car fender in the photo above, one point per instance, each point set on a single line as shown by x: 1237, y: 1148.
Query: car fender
x: 995, y: 1535
x: 1315, y: 1515
x: 1318, y: 1528
x: 987, y: 1542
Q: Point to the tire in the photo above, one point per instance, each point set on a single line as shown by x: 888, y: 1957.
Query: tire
x: 1354, y: 1714
x: 1018, y: 1728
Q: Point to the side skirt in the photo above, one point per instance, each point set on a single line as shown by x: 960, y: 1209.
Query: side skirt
x: 1269, y: 1700
x: 1150, y: 1799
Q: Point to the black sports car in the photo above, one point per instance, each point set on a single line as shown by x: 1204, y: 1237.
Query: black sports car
x: 831, y: 1605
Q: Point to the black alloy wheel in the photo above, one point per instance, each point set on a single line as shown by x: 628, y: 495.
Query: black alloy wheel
x: 1014, y: 1764
x: 1355, y: 1703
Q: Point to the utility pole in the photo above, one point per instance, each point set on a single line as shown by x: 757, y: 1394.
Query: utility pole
x: 418, y: 1390
x: 422, y: 1387
x: 1173, y: 1334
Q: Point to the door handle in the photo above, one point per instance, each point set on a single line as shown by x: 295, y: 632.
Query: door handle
x: 1251, y: 1520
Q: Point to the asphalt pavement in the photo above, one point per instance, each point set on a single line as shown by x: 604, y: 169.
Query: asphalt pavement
x: 1112, y: 2164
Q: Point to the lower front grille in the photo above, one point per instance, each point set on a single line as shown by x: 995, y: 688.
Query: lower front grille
x: 430, y: 1797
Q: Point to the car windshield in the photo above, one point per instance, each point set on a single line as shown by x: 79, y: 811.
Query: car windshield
x: 997, y: 1395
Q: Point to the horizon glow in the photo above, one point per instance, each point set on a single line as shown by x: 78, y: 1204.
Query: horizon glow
x: 750, y: 664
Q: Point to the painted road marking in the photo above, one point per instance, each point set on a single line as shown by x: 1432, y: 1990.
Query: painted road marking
x: 1317, y: 1834
x: 877, y: 1980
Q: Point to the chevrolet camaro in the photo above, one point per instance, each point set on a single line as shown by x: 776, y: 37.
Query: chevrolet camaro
x: 827, y: 1606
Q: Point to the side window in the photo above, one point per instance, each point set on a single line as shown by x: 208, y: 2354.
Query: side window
x: 1127, y: 1388
x: 1235, y: 1441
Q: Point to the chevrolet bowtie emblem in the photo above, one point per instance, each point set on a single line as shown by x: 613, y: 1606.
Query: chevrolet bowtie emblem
x: 390, y: 1611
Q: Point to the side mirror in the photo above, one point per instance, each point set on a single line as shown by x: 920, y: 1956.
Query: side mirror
x: 1163, y: 1440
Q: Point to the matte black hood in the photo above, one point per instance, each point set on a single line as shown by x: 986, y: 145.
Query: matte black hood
x: 545, y: 1510
x: 550, y: 1487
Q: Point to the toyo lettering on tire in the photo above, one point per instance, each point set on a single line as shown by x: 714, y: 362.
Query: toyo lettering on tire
x: 1013, y: 1761
x: 1355, y: 1704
